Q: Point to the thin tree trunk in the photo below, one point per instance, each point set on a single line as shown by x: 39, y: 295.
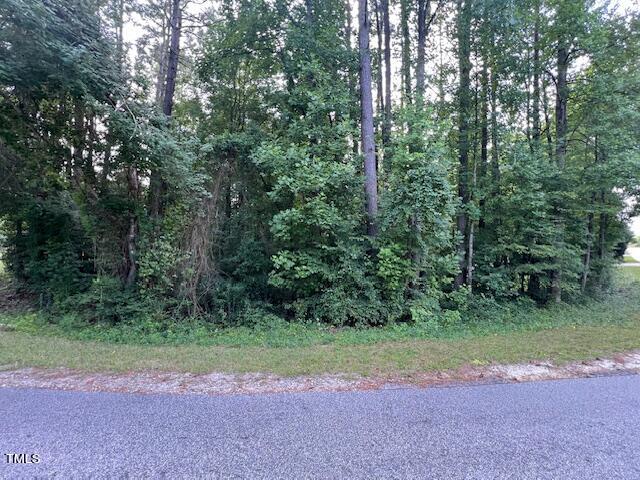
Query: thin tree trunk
x: 464, y: 63
x: 536, y: 79
x: 366, y: 108
x: 604, y: 218
x: 527, y: 89
x: 78, y: 142
x: 495, y: 165
x: 162, y: 53
x: 424, y: 12
x: 309, y: 12
x: 119, y: 21
x: 352, y: 82
x: 484, y: 137
x: 484, y: 119
x: 380, y: 66
x: 132, y: 233
x: 380, y: 108
x: 561, y: 153
x: 547, y: 121
x: 470, y: 239
x: 158, y: 185
x: 587, y: 256
x: 562, y: 95
x: 602, y: 235
x: 378, y: 123
x: 172, y: 62
x: 406, y: 51
x: 590, y: 218
x: 386, y: 25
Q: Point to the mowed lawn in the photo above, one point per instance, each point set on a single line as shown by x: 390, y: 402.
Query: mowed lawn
x: 584, y: 332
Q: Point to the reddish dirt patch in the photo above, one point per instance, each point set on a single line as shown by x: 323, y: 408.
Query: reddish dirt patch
x: 257, y: 383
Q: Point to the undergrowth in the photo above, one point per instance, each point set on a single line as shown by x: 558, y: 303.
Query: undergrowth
x: 478, y: 317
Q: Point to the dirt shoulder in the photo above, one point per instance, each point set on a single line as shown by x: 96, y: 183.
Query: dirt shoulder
x: 258, y: 383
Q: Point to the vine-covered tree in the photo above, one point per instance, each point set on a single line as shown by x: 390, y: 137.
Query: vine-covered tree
x: 228, y: 162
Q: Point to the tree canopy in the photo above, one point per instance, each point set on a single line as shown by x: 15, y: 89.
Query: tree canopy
x: 313, y: 160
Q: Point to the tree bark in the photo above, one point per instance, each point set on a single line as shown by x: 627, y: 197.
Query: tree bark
x: 309, y: 12
x: 380, y: 110
x: 495, y: 157
x: 406, y: 51
x: 590, y: 220
x: 562, y: 95
x: 162, y: 53
x: 366, y: 118
x: 132, y: 233
x: 561, y: 153
x: 464, y: 64
x: 587, y: 255
x: 158, y: 185
x: 379, y: 85
x: 535, y: 111
x: 547, y: 121
x: 484, y: 118
x: 172, y: 62
x: 424, y: 12
x: 352, y: 83
x: 604, y: 218
x: 386, y: 25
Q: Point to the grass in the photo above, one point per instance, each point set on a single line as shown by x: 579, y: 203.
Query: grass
x: 629, y: 259
x: 561, y: 333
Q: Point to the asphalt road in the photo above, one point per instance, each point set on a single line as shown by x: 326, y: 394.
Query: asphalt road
x: 568, y: 429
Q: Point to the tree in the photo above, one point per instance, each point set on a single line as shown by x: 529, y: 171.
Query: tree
x: 464, y: 113
x: 158, y: 184
x: 366, y: 115
x: 213, y: 171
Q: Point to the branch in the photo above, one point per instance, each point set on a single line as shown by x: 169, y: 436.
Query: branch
x: 553, y: 77
x: 426, y: 30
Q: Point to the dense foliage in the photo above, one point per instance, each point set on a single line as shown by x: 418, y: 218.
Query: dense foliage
x: 213, y: 169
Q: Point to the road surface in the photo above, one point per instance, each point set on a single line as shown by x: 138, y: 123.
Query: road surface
x: 566, y: 429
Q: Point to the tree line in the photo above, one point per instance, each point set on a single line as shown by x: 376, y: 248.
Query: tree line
x: 313, y: 160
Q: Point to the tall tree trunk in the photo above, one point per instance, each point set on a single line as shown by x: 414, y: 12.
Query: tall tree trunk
x: 424, y: 13
x: 165, y: 33
x: 386, y: 25
x: 562, y: 96
x: 352, y: 83
x: 380, y: 65
x: 590, y: 220
x: 158, y: 185
x: 561, y: 153
x: 535, y: 111
x: 587, y: 255
x: 133, y: 183
x: 484, y: 118
x: 78, y: 142
x: 380, y: 110
x: 484, y: 137
x: 172, y: 62
x: 366, y: 119
x: 464, y: 63
x: 309, y: 12
x: 602, y: 234
x: 495, y: 157
x: 406, y: 51
x: 119, y: 25
x: 132, y: 233
x: 547, y: 121
x: 604, y: 218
